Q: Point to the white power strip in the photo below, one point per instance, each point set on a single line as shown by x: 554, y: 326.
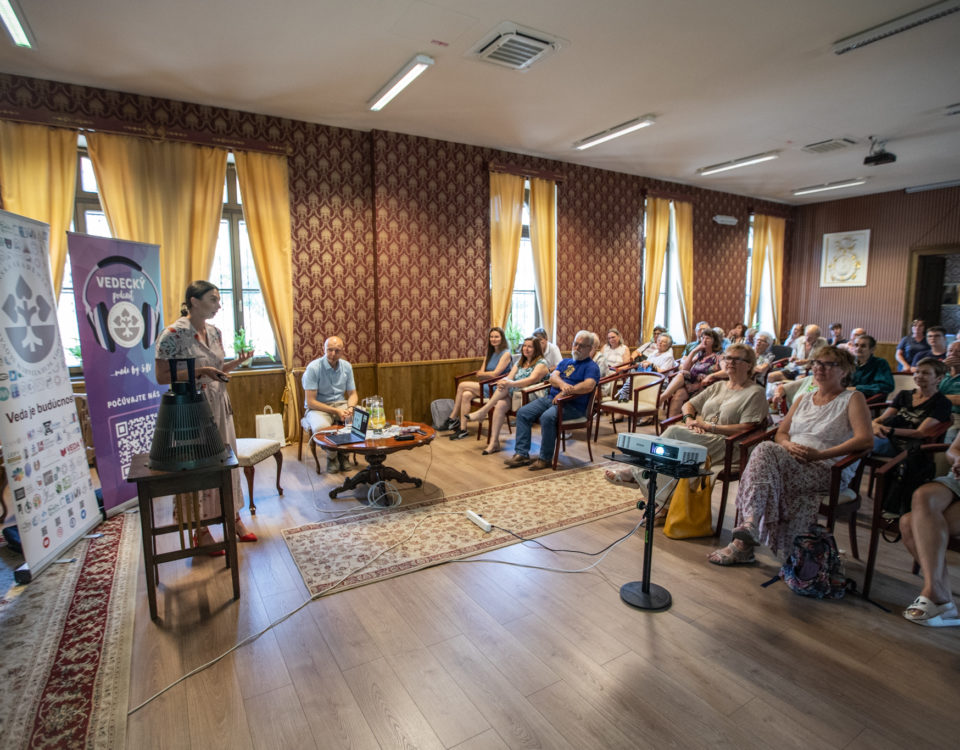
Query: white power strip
x: 478, y: 520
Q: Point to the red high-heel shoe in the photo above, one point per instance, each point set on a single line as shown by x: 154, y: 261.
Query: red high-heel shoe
x: 206, y: 533
x: 248, y: 537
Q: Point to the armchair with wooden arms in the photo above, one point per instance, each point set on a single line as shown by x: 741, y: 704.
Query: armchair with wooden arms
x: 478, y: 401
x: 574, y: 423
x: 527, y: 394
x: 645, y: 391
x: 884, y: 475
x: 731, y: 469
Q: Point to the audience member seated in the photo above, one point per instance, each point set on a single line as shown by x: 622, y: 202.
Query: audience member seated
x: 724, y: 341
x: 716, y: 411
x: 329, y: 395
x: 737, y: 334
x: 551, y: 352
x: 763, y: 347
x: 750, y: 337
x: 851, y: 345
x: 937, y: 340
x: 648, y: 349
x: 950, y: 387
x: 530, y: 369
x: 696, y: 371
x: 872, y: 376
x: 779, y: 492
x: 796, y: 333
x: 701, y: 327
x: 613, y: 355
x: 836, y: 335
x: 912, y: 345
x: 934, y: 517
x: 496, y: 362
x: 576, y: 376
x: 786, y: 393
x: 915, y: 414
x: 659, y: 361
x: 800, y: 358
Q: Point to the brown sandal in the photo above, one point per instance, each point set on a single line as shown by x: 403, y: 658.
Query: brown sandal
x: 732, y: 555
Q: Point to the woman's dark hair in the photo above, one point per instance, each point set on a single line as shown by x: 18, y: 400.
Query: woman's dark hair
x: 504, y: 344
x: 717, y: 341
x: 537, y: 352
x: 195, y: 291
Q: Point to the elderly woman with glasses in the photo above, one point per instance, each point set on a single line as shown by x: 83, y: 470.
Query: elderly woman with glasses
x: 779, y: 493
x: 724, y: 408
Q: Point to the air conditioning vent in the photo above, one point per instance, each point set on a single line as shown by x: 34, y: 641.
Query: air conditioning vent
x: 515, y: 47
x: 825, y: 147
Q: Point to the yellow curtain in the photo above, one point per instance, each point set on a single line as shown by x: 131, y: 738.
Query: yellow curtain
x: 506, y: 225
x: 761, y: 241
x: 683, y: 212
x: 170, y: 194
x: 264, y: 185
x: 38, y: 179
x: 657, y: 231
x: 777, y: 230
x: 543, y: 240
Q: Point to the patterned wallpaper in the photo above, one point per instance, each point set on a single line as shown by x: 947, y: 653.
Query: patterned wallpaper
x: 417, y: 289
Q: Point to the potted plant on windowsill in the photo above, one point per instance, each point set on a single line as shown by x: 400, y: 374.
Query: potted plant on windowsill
x: 242, y: 345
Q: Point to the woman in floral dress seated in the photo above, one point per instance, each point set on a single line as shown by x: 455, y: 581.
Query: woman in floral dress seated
x: 779, y: 493
x: 696, y: 372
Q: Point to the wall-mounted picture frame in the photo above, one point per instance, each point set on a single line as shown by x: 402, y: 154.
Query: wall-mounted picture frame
x: 844, y: 261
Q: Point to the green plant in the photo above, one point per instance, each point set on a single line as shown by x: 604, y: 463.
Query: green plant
x: 75, y: 351
x: 241, y: 343
x: 514, y: 336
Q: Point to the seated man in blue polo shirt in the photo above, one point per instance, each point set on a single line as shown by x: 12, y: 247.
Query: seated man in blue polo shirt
x: 576, y: 376
x: 329, y: 394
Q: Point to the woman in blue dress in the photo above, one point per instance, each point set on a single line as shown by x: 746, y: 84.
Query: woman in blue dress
x: 496, y: 363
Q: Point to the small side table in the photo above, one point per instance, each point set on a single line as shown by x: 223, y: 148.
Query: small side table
x: 152, y: 483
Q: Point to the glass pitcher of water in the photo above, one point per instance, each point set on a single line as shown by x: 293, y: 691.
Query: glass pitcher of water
x: 378, y: 417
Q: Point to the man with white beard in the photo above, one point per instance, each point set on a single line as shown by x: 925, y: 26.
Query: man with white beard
x: 576, y: 376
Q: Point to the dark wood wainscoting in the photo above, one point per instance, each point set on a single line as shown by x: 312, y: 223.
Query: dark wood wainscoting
x: 411, y: 386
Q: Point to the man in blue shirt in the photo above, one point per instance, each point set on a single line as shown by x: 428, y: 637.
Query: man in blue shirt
x: 576, y: 376
x: 872, y: 376
x: 329, y: 395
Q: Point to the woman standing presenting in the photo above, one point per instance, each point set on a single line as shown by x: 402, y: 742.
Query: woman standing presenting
x: 192, y: 337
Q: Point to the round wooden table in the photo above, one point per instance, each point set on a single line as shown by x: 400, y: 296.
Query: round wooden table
x: 375, y: 451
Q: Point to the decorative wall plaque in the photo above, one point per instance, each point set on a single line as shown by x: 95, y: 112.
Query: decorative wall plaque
x: 844, y: 261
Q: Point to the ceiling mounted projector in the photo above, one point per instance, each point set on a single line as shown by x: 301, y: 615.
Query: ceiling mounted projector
x: 878, y: 154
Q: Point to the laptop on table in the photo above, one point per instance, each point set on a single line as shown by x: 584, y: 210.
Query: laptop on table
x: 358, y: 429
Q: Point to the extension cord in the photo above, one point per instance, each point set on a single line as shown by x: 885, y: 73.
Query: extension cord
x: 478, y: 520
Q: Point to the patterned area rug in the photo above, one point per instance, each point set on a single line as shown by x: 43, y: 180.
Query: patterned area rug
x: 66, y: 640
x: 326, y: 552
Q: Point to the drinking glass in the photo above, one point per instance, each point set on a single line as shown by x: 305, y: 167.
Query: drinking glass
x: 398, y: 415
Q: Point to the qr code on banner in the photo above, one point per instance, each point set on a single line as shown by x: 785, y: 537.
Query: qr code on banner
x: 133, y: 436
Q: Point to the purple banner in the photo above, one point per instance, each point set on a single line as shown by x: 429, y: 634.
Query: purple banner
x: 116, y: 287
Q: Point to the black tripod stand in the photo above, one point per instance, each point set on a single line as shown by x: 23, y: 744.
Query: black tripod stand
x: 643, y: 594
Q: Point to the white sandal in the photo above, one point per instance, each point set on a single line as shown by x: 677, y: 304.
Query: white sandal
x: 926, y: 612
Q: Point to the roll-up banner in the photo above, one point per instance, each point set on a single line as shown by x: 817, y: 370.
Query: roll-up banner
x: 43, y: 449
x: 117, y: 293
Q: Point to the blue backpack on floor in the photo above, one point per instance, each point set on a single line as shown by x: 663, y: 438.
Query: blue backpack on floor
x: 814, y: 567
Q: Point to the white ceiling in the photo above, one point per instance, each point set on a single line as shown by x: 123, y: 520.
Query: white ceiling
x: 725, y: 78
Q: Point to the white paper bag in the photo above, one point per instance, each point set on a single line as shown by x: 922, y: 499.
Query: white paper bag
x: 270, y: 425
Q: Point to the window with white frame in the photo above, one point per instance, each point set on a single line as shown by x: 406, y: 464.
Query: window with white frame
x: 242, y: 304
x: 763, y: 319
x: 669, y: 313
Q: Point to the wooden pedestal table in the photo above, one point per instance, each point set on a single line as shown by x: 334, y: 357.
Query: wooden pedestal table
x: 375, y: 451
x: 152, y: 483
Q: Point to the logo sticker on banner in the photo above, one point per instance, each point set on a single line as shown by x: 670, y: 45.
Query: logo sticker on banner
x: 38, y: 417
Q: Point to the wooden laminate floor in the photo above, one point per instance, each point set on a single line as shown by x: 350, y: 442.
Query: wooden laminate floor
x: 481, y: 655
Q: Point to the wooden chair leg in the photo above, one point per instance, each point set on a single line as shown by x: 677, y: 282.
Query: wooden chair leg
x: 313, y: 447
x: 300, y: 445
x: 723, y: 507
x: 279, y: 457
x: 248, y: 473
x: 853, y: 537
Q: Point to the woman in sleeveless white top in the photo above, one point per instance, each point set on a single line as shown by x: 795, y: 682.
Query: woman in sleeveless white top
x: 783, y: 480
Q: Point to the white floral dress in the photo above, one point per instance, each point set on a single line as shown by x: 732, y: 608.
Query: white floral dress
x: 181, y: 341
x: 782, y: 494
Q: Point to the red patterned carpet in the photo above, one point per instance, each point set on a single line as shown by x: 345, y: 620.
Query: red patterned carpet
x: 326, y: 552
x: 66, y: 640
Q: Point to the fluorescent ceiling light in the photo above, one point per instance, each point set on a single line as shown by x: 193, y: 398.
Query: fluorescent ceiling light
x: 932, y: 186
x: 400, y: 81
x: 830, y: 186
x: 897, y: 25
x: 746, y: 161
x: 11, y: 14
x: 615, y: 132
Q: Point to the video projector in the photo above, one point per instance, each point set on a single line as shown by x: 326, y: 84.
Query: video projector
x: 661, y: 448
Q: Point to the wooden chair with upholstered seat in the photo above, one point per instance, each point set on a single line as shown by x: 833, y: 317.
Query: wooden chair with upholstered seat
x: 250, y: 452
x: 576, y: 423
x: 646, y: 389
x: 481, y: 399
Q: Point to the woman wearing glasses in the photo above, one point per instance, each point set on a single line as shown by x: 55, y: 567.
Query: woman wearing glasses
x: 696, y: 371
x: 724, y: 408
x: 779, y: 492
